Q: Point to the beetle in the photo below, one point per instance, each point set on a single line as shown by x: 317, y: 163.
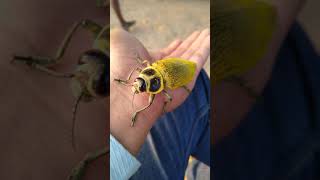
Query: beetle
x: 243, y: 30
x: 160, y: 76
x: 89, y: 81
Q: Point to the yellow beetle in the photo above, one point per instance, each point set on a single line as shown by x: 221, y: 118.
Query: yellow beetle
x: 170, y: 73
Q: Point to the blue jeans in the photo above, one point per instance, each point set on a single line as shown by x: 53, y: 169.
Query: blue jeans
x: 280, y: 138
x: 177, y: 135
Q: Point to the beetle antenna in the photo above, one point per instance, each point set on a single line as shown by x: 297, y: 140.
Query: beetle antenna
x: 74, y: 111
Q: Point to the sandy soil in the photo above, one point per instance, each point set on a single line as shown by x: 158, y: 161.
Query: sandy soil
x: 161, y: 21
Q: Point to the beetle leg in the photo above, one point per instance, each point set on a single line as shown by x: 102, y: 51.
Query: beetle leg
x: 146, y: 62
x: 50, y: 61
x: 187, y: 89
x: 169, y: 99
x: 133, y: 119
x: 45, y: 69
x: 125, y: 82
x: 79, y: 170
x: 52, y: 72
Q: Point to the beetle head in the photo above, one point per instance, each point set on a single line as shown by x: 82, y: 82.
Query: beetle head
x: 149, y: 80
x: 139, y: 85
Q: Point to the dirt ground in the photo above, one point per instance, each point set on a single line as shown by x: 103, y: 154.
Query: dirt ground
x: 158, y: 22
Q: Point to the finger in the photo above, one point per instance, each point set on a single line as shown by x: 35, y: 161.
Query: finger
x: 200, y: 57
x: 156, y: 55
x: 172, y: 46
x: 184, y: 45
x: 202, y: 54
x: 196, y: 44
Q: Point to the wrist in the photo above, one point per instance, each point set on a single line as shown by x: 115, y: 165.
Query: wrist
x: 131, y: 137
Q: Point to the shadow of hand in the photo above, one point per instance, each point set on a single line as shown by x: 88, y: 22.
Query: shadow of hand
x: 125, y: 48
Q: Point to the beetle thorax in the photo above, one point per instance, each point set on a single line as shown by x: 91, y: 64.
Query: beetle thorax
x: 150, y: 80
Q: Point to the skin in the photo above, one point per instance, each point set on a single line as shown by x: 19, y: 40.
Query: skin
x: 228, y: 114
x: 116, y: 7
x: 124, y: 48
x: 36, y: 109
x: 38, y: 132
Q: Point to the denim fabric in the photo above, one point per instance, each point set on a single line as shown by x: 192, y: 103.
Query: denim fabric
x: 177, y: 135
x: 280, y: 137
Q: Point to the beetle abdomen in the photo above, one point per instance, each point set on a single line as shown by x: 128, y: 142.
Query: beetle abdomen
x: 176, y: 72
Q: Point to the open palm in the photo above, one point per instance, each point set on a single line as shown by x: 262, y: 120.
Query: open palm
x: 125, y: 48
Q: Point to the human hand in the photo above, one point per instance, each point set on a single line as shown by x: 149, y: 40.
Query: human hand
x: 36, y: 109
x: 124, y: 50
